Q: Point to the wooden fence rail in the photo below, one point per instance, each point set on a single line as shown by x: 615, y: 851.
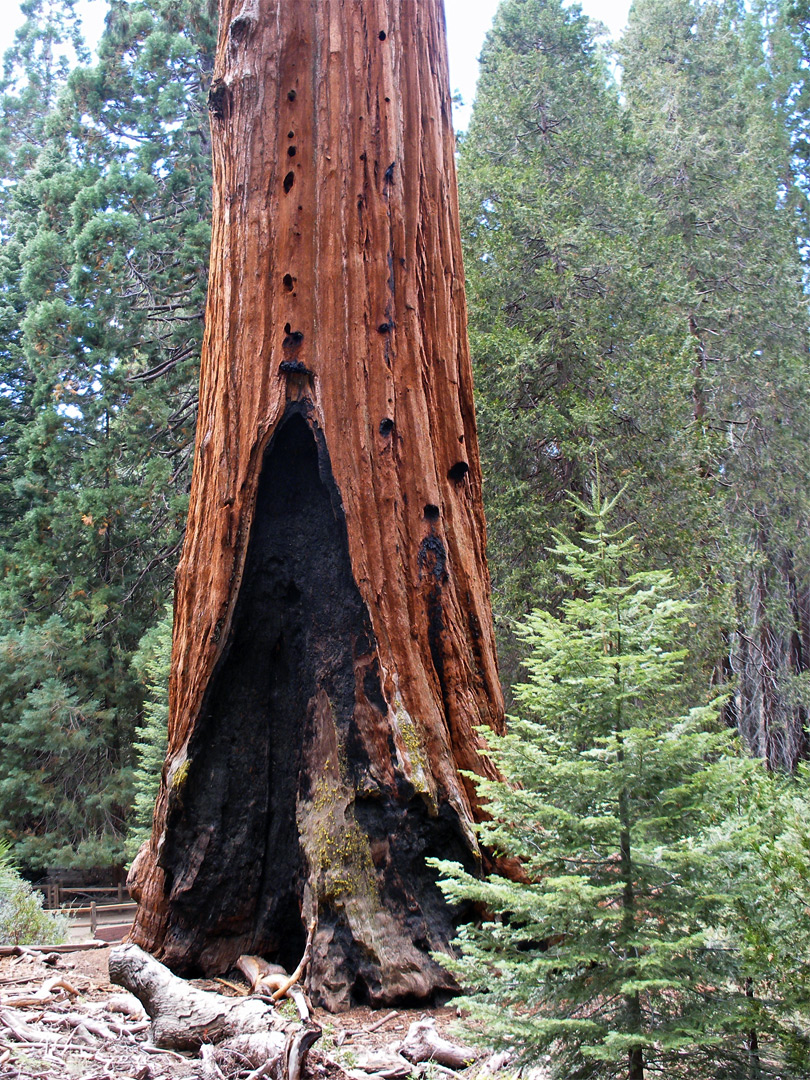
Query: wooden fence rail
x: 97, y: 913
x: 57, y: 896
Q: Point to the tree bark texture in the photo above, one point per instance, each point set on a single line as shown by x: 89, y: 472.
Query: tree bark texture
x: 333, y: 645
x: 770, y: 652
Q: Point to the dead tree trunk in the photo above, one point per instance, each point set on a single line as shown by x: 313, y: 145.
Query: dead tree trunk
x: 333, y: 644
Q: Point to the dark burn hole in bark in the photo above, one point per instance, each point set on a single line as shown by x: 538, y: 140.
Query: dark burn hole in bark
x: 288, y: 281
x: 385, y: 328
x: 240, y: 29
x: 386, y: 426
x: 233, y: 860
x: 389, y: 173
x: 291, y: 95
x: 457, y: 472
x: 382, y: 35
x: 291, y: 151
x: 293, y: 339
x: 289, y: 180
x: 432, y: 558
x: 294, y: 367
x: 298, y: 685
x: 218, y: 97
x: 409, y: 835
x: 432, y: 561
x: 431, y: 512
x: 290, y: 134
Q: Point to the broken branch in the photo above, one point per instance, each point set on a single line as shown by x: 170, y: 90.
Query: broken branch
x: 302, y: 966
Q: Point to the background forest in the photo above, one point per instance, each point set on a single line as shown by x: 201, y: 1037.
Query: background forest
x: 637, y: 232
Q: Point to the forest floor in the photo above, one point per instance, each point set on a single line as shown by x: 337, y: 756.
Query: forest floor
x: 75, y: 1025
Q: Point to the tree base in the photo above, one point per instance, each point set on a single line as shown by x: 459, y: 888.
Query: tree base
x: 290, y: 805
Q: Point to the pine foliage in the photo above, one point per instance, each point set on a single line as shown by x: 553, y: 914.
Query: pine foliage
x: 708, y: 90
x: 152, y: 661
x: 761, y: 856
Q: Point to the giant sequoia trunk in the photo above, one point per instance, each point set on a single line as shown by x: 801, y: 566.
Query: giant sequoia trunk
x: 333, y: 646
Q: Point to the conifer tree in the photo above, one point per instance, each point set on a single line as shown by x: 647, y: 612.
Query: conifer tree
x: 607, y: 956
x: 565, y: 313
x: 706, y: 91
x: 636, y: 286
x: 536, y: 169
x: 106, y: 249
x: 34, y: 73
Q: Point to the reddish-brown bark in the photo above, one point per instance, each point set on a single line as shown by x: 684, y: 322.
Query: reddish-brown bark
x: 334, y: 564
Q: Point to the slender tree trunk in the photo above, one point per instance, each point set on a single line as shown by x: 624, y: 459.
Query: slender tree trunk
x: 333, y: 647
x: 754, y: 1064
x: 632, y: 1001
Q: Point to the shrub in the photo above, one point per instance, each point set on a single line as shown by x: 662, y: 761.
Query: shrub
x: 22, y: 919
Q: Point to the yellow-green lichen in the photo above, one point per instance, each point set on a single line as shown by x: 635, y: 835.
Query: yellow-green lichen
x: 337, y: 848
x: 324, y: 794
x: 412, y: 742
x: 180, y: 777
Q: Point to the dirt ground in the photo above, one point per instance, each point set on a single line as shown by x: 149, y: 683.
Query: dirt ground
x: 52, y: 1043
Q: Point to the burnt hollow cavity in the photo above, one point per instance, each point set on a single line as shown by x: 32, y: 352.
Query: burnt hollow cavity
x: 431, y: 512
x: 298, y: 623
x: 457, y: 472
x: 294, y: 367
x: 289, y: 180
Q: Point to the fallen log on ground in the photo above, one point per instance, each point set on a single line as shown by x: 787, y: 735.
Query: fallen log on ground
x: 424, y: 1043
x: 69, y: 947
x: 184, y: 1017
